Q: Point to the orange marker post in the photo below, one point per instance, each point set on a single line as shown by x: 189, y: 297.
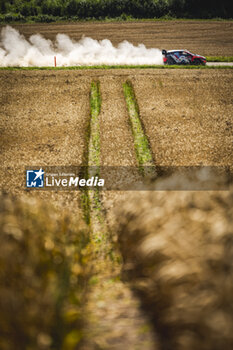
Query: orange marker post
x: 55, y: 61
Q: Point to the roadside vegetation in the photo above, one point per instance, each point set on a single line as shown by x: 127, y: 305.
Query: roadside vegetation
x: 44, y: 273
x: 56, y: 10
x: 219, y: 58
x: 117, y: 67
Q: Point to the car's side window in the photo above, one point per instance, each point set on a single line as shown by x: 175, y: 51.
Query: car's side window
x: 176, y: 54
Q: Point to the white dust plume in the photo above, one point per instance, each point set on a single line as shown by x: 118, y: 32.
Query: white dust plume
x: 15, y: 50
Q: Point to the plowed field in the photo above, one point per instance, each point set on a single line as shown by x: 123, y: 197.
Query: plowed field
x: 44, y: 116
x: 186, y: 116
x: 210, y: 38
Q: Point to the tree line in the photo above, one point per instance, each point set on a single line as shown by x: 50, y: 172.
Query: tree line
x: 123, y: 9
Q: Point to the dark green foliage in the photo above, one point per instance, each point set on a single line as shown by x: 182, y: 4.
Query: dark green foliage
x: 2, y: 6
x: 12, y: 17
x: 100, y: 9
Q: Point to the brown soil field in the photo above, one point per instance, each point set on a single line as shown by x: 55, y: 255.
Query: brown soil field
x: 169, y: 241
x: 44, y: 117
x: 43, y: 121
x: 114, y: 125
x: 187, y: 116
x: 187, y: 124
x: 210, y: 38
x: 117, y: 147
x: 115, y: 320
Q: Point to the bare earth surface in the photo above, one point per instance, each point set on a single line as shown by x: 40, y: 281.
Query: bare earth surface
x: 117, y: 147
x: 210, y: 38
x: 114, y: 318
x: 187, y: 116
x: 114, y: 125
x: 43, y: 122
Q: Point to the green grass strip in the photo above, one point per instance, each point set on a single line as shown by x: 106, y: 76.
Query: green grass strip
x: 95, y: 207
x: 119, y: 19
x: 141, y: 143
x: 114, y: 67
x: 94, y: 142
x: 219, y: 58
x: 92, y: 154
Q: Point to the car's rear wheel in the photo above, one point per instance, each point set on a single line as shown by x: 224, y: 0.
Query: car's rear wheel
x: 170, y: 60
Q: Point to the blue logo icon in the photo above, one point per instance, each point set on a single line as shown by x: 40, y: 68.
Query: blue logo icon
x: 35, y: 178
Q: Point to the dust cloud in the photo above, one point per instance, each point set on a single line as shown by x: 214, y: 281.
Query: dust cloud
x: 15, y: 50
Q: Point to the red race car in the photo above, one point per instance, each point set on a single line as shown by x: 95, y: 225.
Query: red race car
x: 182, y: 57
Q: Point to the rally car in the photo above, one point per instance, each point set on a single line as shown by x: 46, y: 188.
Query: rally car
x: 182, y: 57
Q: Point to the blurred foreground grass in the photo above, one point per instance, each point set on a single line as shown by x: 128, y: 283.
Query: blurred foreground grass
x: 177, y: 250
x: 44, y: 272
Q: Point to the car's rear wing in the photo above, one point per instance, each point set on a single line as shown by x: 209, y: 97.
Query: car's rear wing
x: 164, y: 52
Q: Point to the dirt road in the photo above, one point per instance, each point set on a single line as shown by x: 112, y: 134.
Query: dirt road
x: 227, y: 64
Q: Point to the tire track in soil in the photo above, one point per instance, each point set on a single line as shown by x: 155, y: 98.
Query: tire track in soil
x: 141, y: 143
x: 95, y: 214
x: 117, y: 144
x: 114, y: 318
